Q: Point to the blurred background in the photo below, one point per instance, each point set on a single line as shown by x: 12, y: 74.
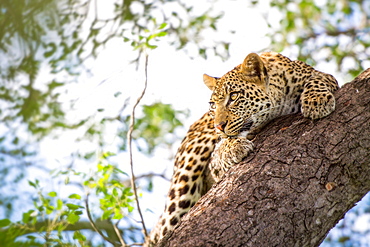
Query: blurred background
x: 72, y: 70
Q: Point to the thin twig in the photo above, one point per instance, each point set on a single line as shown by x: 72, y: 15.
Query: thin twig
x: 127, y: 182
x: 135, y: 244
x: 129, y: 145
x: 93, y: 223
x: 119, y: 234
x: 153, y: 174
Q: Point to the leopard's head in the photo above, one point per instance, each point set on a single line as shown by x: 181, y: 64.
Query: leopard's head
x: 240, y: 101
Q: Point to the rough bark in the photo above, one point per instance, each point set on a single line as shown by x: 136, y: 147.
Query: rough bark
x: 299, y: 182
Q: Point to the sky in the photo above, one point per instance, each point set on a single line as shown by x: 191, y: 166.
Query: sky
x: 173, y: 78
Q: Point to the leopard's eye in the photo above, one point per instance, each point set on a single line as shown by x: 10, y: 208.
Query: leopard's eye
x: 212, y: 105
x: 234, y: 95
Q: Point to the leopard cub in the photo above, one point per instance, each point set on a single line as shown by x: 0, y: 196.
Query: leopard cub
x: 262, y: 88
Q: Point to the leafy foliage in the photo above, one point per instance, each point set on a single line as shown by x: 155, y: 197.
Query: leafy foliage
x: 60, y: 36
x: 49, y: 217
x: 322, y: 31
x: 156, y: 127
x: 52, y: 216
x: 115, y: 197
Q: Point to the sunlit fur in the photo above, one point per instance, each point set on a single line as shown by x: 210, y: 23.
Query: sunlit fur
x: 266, y: 91
x: 262, y: 88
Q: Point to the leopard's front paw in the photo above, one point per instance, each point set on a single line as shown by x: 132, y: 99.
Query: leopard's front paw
x: 234, y: 150
x: 228, y: 152
x: 318, y: 106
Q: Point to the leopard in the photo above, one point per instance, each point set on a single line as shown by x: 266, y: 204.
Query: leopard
x: 263, y: 87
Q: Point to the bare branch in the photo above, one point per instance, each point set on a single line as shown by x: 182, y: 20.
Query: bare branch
x: 129, y: 145
x: 127, y: 183
x: 119, y: 234
x: 136, y: 244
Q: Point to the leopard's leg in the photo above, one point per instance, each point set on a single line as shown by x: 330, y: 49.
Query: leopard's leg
x: 187, y: 183
x: 317, y: 99
x: 228, y: 152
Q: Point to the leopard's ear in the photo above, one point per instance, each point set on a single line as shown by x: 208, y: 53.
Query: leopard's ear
x: 253, y: 67
x: 209, y: 81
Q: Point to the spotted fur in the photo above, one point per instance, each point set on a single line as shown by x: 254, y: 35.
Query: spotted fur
x: 260, y: 89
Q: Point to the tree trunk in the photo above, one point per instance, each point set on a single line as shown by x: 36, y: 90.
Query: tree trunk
x: 301, y: 179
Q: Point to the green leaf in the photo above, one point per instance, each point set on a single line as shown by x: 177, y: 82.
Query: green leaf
x: 79, y: 212
x: 115, y: 192
x: 161, y: 34
x: 116, y: 94
x: 130, y: 208
x: 77, y: 235
x: 5, y: 222
x: 26, y: 217
x: 117, y: 215
x: 31, y: 237
x: 106, y: 214
x: 150, y: 186
x: 73, y: 206
x: 163, y: 25
x: 59, y: 204
x: 52, y: 194
x: 344, y: 239
x: 34, y: 184
x: 116, y: 170
x: 72, y: 218
x: 49, y: 209
x: 107, y: 154
x: 52, y: 50
x: 60, y: 228
x: 55, y: 84
x: 74, y: 196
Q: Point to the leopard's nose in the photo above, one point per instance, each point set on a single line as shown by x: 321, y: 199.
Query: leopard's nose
x: 221, y: 126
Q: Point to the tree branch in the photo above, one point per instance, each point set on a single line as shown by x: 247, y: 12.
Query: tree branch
x: 104, y: 225
x: 118, y: 233
x: 129, y: 146
x: 301, y: 179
